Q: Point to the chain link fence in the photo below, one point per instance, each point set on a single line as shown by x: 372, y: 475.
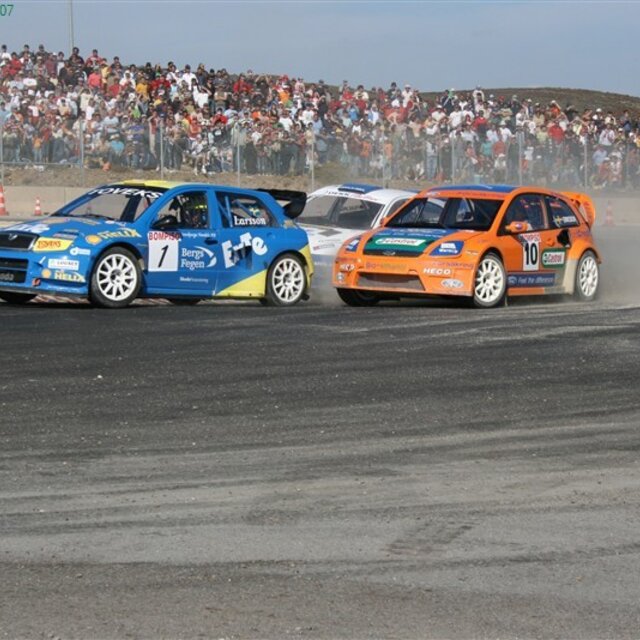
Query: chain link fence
x: 382, y: 157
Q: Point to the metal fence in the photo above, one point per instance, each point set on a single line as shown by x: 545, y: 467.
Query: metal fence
x: 381, y: 157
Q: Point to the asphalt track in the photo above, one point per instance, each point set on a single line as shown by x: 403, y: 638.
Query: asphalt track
x: 406, y: 471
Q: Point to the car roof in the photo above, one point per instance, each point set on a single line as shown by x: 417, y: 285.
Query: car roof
x: 373, y: 193
x: 488, y: 188
x: 168, y: 184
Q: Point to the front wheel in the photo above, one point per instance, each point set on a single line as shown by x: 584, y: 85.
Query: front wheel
x: 116, y: 279
x: 587, y: 277
x: 286, y: 281
x: 490, y: 284
x: 358, y: 298
x: 14, y: 297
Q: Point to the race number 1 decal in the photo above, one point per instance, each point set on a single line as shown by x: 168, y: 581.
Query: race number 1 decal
x: 163, y: 251
x: 531, y: 253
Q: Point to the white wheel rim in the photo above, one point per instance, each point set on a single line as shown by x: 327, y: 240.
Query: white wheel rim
x: 588, y: 276
x: 288, y: 280
x: 489, y: 281
x: 116, y: 277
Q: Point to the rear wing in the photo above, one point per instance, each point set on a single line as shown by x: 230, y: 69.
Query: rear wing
x: 584, y: 204
x: 292, y: 202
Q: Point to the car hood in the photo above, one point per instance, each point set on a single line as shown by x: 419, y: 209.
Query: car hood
x: 71, y: 228
x: 325, y: 241
x: 413, y: 243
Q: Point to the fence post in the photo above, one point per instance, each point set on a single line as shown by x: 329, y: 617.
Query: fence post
x: 161, y: 158
x: 313, y: 160
x: 586, y: 162
x: 81, y: 159
x: 237, y: 128
x: 519, y: 138
x: 453, y: 157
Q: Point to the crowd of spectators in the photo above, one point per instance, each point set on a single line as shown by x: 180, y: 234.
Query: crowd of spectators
x: 70, y: 109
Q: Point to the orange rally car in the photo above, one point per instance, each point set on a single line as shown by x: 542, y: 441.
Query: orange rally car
x: 486, y: 242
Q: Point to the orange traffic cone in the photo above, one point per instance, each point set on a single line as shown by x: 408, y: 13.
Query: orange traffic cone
x: 3, y: 208
x: 608, y: 218
x: 38, y: 210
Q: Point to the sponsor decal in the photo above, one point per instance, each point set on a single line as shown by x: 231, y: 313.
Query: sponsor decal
x: 66, y: 236
x: 46, y: 273
x: 385, y: 266
x: 121, y: 233
x: 93, y: 240
x: 448, y: 264
x: 452, y: 283
x: 353, y: 245
x: 63, y: 263
x: 67, y: 276
x: 196, y: 258
x: 437, y: 271
x: 125, y: 191
x: 51, y: 244
x: 77, y: 251
x: 7, y: 276
x: 233, y: 252
x: 451, y: 248
x: 400, y: 242
x: 196, y: 280
x: 553, y: 258
x: 531, y: 279
x: 249, y: 222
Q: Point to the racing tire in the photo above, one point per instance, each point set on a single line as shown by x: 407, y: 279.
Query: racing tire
x: 15, y: 297
x: 116, y: 279
x: 184, y: 302
x: 587, y: 277
x: 490, y: 282
x: 358, y: 298
x: 286, y: 281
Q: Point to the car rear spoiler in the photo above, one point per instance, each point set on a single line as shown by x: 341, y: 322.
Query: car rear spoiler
x: 585, y: 204
x: 293, y: 202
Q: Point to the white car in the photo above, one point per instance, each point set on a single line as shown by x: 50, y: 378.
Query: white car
x: 336, y: 213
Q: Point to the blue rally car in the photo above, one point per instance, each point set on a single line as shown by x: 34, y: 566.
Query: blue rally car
x: 181, y: 241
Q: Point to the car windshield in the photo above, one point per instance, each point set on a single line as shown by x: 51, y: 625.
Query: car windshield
x: 121, y: 203
x: 340, y: 211
x: 418, y: 214
x: 453, y: 213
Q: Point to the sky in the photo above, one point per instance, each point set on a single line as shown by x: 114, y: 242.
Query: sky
x: 431, y: 45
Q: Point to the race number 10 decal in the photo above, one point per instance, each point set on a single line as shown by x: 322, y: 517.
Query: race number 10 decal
x: 163, y: 251
x: 531, y: 254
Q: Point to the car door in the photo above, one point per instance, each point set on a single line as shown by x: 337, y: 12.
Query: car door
x: 533, y: 256
x: 250, y: 237
x: 183, y: 246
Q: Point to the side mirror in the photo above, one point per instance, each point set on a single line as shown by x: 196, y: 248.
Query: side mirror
x: 166, y: 222
x: 517, y: 226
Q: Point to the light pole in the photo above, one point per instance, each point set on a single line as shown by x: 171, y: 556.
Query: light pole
x: 71, y: 37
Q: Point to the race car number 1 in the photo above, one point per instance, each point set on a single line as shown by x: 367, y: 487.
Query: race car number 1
x: 531, y: 255
x: 163, y: 251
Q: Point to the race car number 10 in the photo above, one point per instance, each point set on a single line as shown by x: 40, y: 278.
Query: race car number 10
x: 531, y: 251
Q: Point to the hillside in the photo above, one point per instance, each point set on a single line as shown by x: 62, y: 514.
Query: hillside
x: 580, y: 98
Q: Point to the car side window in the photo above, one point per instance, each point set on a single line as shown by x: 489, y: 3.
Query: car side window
x: 528, y: 209
x: 240, y: 210
x: 396, y: 205
x: 560, y: 214
x: 188, y: 210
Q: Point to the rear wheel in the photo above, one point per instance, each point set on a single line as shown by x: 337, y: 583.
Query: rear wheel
x: 116, y: 279
x: 286, y: 281
x: 587, y: 277
x: 358, y: 298
x: 15, y: 297
x: 490, y: 283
